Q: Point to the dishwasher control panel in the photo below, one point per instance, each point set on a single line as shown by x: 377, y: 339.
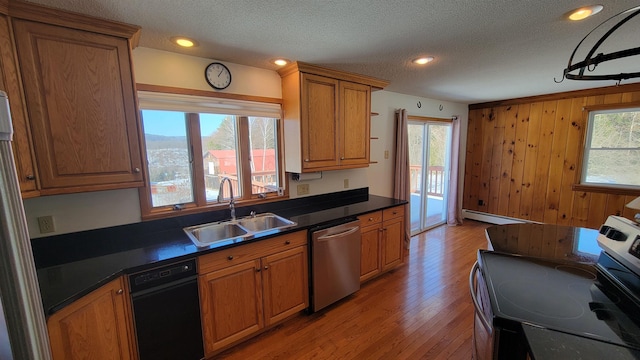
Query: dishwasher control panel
x: 161, y: 275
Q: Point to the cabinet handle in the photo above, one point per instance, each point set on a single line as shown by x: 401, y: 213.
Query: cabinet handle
x: 371, y: 219
x: 136, y: 170
x: 258, y: 269
x: 287, y: 242
x: 230, y: 257
x: 31, y: 177
x: 119, y: 292
x: 342, y: 158
x: 307, y: 160
x: 395, y: 212
x: 266, y: 267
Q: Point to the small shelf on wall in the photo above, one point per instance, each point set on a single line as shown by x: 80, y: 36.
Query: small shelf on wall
x: 374, y: 114
x: 373, y: 162
x: 374, y: 138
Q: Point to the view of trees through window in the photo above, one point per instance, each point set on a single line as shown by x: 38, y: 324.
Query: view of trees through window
x: 437, y: 156
x: 612, y: 151
x: 169, y: 149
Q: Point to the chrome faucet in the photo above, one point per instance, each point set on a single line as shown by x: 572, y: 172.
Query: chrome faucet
x: 232, y: 201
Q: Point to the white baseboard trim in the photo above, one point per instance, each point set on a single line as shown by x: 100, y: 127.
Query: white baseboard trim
x: 491, y: 218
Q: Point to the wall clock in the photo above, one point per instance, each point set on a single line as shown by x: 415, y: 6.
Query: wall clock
x: 217, y: 75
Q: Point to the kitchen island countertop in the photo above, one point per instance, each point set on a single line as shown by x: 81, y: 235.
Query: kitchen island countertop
x: 548, y: 241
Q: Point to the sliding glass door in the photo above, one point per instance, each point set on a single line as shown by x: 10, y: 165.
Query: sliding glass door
x: 429, y: 160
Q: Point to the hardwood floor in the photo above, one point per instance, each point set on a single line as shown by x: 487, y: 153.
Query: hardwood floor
x: 421, y: 310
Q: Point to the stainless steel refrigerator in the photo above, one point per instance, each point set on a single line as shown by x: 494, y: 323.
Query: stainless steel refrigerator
x: 23, y: 332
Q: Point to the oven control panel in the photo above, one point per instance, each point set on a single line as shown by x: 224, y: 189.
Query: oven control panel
x: 620, y: 238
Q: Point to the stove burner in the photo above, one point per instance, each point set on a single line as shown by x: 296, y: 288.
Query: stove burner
x: 526, y: 297
x: 578, y: 271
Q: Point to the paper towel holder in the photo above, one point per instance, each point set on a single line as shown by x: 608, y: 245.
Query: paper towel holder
x: 306, y: 176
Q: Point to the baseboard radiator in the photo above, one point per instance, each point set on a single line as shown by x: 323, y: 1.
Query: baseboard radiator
x: 492, y: 218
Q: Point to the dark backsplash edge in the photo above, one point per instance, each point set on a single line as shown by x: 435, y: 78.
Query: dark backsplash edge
x: 81, y: 244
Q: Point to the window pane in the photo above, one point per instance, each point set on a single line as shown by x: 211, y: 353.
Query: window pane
x: 612, y: 153
x: 614, y: 167
x: 616, y: 130
x: 262, y: 136
x: 168, y: 157
x: 220, y: 158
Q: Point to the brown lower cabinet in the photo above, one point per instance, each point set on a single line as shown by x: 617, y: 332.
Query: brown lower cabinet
x: 243, y: 290
x: 97, y: 326
x: 251, y: 287
x: 382, y: 246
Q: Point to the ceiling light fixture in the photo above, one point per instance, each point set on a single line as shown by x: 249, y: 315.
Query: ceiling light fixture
x: 184, y: 41
x: 584, y: 12
x: 576, y: 71
x: 281, y: 62
x: 423, y: 60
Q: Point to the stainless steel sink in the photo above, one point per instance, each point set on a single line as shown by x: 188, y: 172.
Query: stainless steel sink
x: 236, y: 230
x: 207, y: 234
x: 265, y: 222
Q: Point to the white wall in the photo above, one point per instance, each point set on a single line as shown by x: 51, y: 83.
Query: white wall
x: 380, y: 175
x: 77, y: 212
x: 164, y: 68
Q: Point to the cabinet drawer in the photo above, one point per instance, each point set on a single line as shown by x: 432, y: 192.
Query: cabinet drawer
x: 393, y: 212
x: 370, y: 218
x: 239, y: 254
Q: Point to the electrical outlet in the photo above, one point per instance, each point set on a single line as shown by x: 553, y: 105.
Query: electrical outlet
x: 46, y: 224
x: 386, y: 154
x: 346, y: 183
x: 303, y: 189
x: 280, y: 191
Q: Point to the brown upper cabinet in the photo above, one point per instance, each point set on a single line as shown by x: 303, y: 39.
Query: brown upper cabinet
x: 78, y: 93
x: 327, y: 117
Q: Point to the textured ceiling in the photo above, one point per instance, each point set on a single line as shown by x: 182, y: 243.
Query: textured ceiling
x: 485, y: 50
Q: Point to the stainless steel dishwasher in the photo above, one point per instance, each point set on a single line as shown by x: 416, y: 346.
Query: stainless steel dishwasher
x: 335, y: 262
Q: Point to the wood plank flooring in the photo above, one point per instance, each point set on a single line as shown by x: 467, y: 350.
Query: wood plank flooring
x: 421, y: 310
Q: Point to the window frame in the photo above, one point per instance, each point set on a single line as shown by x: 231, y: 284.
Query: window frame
x: 628, y: 190
x: 200, y: 204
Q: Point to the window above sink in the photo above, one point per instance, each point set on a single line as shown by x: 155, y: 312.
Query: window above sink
x: 192, y: 142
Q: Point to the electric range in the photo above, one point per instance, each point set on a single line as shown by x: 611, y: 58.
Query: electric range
x: 599, y: 302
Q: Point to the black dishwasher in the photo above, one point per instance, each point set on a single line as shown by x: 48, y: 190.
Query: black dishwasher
x: 166, y: 312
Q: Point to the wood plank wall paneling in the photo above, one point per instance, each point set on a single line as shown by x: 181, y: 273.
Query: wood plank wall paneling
x: 523, y: 157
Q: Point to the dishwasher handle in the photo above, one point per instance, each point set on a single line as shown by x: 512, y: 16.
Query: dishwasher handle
x: 341, y: 234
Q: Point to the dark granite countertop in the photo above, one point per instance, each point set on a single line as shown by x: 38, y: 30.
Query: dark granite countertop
x: 72, y: 265
x: 545, y: 344
x: 556, y: 242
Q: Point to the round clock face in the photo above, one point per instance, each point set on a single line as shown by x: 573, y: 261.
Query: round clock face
x: 217, y: 75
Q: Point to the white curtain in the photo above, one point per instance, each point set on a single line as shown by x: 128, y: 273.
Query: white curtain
x: 401, y: 185
x: 454, y: 211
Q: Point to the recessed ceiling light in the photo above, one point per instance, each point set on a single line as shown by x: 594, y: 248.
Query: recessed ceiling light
x: 281, y: 62
x: 423, y: 60
x: 584, y: 12
x: 184, y: 41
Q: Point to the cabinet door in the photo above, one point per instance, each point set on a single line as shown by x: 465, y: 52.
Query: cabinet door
x: 10, y: 83
x: 319, y: 121
x: 94, y: 327
x: 79, y: 94
x: 370, y: 252
x: 285, y: 284
x: 355, y: 122
x: 392, y: 243
x: 231, y: 304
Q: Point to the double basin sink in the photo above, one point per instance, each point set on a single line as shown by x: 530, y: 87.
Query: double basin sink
x: 232, y: 231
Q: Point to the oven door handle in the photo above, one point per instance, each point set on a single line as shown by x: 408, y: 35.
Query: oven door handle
x: 476, y: 304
